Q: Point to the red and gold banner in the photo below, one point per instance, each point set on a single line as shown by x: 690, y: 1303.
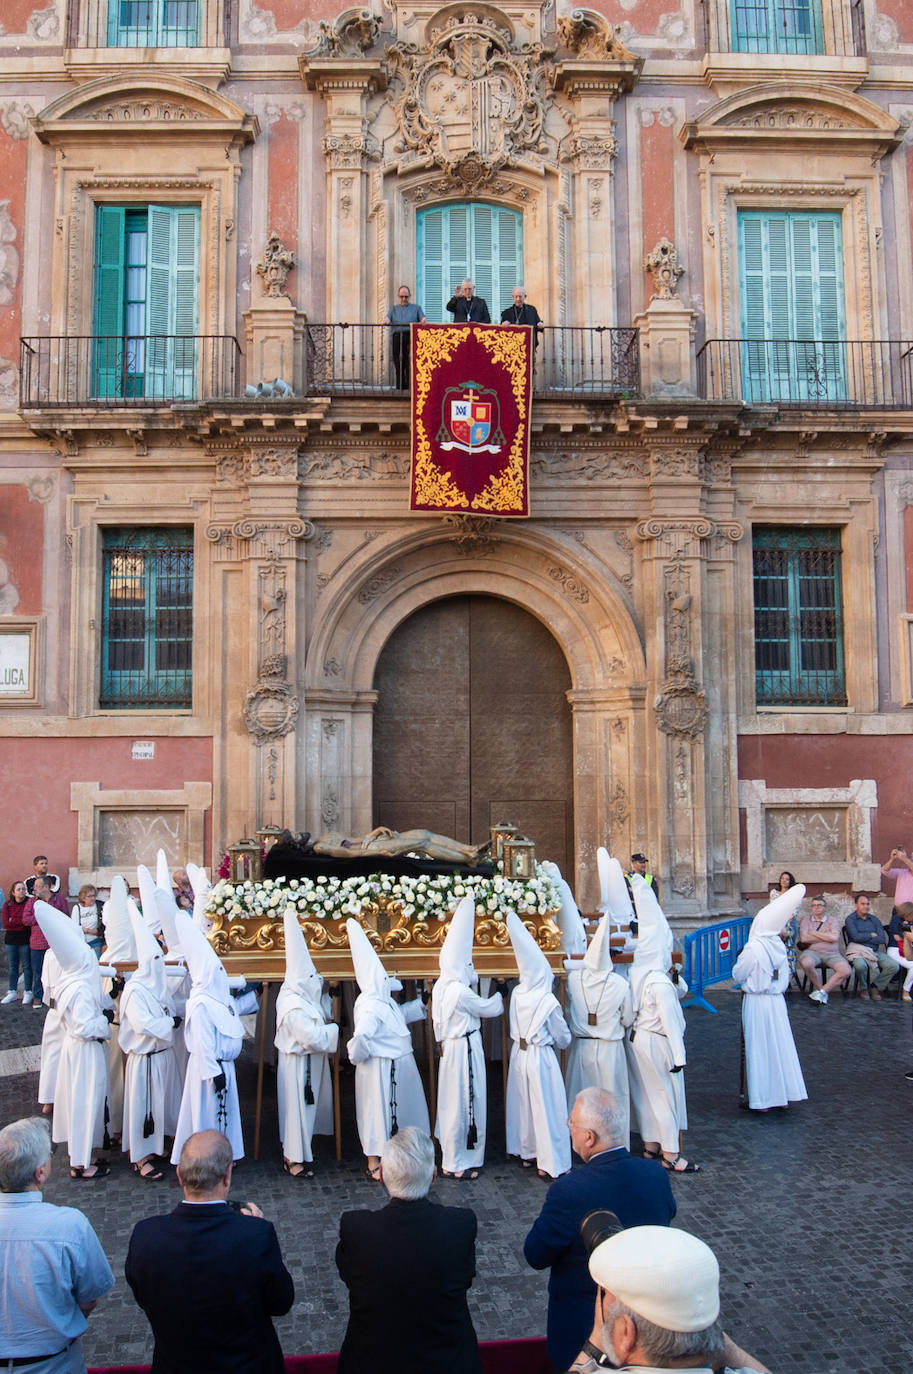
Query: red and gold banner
x: 471, y: 391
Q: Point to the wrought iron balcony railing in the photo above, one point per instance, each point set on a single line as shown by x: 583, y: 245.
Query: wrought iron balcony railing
x: 147, y: 24
x: 808, y: 373
x: 571, y: 362
x: 107, y: 371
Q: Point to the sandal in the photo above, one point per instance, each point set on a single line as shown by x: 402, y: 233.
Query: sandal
x: 465, y: 1176
x: 689, y: 1167
x: 651, y: 1154
x: 296, y: 1170
x: 149, y: 1171
x: 79, y: 1171
x: 527, y: 1164
x: 373, y: 1174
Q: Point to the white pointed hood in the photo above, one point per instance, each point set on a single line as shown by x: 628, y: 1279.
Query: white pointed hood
x: 198, y: 880
x: 369, y: 971
x: 570, y: 923
x: 771, y: 919
x: 146, y: 885
x: 77, y: 962
x: 653, y: 951
x: 614, y: 896
x: 162, y: 871
x: 598, y: 958
x: 168, y: 909
x: 119, y: 946
x: 200, y: 919
x: 455, y: 958
x: 150, y: 972
x: 301, y: 977
x: 209, y: 982
x: 535, y: 972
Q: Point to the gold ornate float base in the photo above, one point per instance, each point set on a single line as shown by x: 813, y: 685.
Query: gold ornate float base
x: 255, y: 945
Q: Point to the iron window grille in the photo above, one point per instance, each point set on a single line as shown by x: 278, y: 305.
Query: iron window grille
x: 147, y: 643
x: 798, y: 617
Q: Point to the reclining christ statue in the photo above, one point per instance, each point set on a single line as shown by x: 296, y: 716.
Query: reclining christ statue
x: 391, y: 843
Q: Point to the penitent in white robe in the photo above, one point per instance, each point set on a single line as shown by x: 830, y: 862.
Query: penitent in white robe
x: 771, y: 1062
x: 597, y: 1057
x: 536, y: 1108
x: 152, y: 1086
x: 115, y: 1066
x: 210, y: 1052
x: 52, y: 1033
x: 658, y: 1044
x: 82, y: 1077
x: 458, y: 1014
x: 304, y: 1041
x: 385, y: 1070
x: 178, y: 992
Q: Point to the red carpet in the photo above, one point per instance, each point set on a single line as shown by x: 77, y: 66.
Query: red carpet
x: 498, y: 1357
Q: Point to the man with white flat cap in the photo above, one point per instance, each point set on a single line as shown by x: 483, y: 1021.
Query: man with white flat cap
x: 658, y: 1306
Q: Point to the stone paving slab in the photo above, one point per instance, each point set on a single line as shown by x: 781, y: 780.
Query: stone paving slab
x: 803, y: 1207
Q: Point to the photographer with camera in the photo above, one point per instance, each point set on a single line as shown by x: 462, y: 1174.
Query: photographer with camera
x: 184, y: 1270
x: 636, y: 1190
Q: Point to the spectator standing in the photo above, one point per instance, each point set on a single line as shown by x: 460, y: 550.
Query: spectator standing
x: 408, y: 1268
x: 636, y: 1190
x: 210, y: 1278
x: 40, y: 870
x: 523, y: 313
x: 818, y: 946
x: 401, y: 317
x: 87, y: 915
x: 790, y: 932
x: 41, y: 892
x: 55, y: 1269
x: 16, y: 939
x: 639, y: 866
x: 865, y: 937
x: 900, y: 944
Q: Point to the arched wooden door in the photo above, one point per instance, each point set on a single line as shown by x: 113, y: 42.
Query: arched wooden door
x: 472, y: 726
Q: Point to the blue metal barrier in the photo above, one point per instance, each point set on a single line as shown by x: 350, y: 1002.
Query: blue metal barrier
x: 710, y: 954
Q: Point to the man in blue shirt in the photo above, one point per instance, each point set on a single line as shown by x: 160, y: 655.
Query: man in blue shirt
x: 867, y: 950
x: 636, y: 1190
x: 54, y: 1269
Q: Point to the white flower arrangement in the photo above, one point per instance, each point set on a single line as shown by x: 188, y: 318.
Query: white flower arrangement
x: 424, y: 898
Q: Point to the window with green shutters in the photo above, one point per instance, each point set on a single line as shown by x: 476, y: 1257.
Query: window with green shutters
x: 785, y: 26
x: 153, y: 23
x: 798, y: 617
x: 792, y: 303
x: 475, y: 240
x: 147, y: 627
x: 147, y: 288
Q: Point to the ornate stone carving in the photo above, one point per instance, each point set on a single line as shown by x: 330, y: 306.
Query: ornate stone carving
x: 469, y: 102
x: 350, y: 150
x: 618, y: 808
x: 332, y: 668
x: 9, y: 256
x: 588, y: 465
x: 587, y: 34
x: 569, y: 584
x: 681, y: 708
x: 675, y: 462
x: 14, y: 119
x: 341, y: 467
x: 249, y: 538
x: 230, y: 469
x: 352, y: 34
x: 270, y: 711
x: 272, y: 595
x: 274, y: 462
x: 40, y: 489
x: 666, y: 269
x: 378, y: 584
x: 677, y: 580
x: 143, y: 112
x: 591, y: 152
x: 796, y: 117
x: 472, y: 534
x: 277, y: 262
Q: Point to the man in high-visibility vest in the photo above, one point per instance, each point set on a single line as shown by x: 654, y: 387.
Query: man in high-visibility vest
x: 639, y: 865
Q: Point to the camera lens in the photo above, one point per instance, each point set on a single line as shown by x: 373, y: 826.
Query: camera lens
x: 597, y: 1226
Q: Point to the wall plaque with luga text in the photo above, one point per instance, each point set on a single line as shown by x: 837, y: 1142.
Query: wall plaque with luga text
x: 17, y: 663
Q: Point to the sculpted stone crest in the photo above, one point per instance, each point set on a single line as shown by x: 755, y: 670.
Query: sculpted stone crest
x: 470, y: 102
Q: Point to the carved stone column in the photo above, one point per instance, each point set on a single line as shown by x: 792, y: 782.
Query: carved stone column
x: 346, y: 85
x: 254, y: 640
x: 274, y: 329
x: 338, y: 762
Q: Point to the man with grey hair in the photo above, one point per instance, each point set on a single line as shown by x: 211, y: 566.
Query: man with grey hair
x: 466, y: 307
x: 408, y: 1268
x: 658, y: 1306
x: 210, y: 1278
x: 55, y: 1269
x: 636, y: 1190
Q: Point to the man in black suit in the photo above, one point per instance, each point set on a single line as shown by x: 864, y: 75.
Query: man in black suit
x: 408, y: 1268
x: 522, y: 313
x: 636, y: 1190
x: 464, y: 305
x: 208, y: 1277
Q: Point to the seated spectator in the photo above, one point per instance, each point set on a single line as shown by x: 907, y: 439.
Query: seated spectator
x: 40, y: 866
x: 16, y: 938
x: 408, y: 1268
x: 900, y: 944
x: 658, y: 1305
x: 54, y: 1266
x: 819, y: 947
x: 87, y: 915
x: 41, y: 892
x: 865, y: 937
x: 208, y: 1277
x: 636, y: 1190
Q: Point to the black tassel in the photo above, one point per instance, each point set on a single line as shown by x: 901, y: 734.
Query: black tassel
x: 472, y: 1137
x: 308, y: 1090
x: 106, y: 1138
x: 148, y: 1127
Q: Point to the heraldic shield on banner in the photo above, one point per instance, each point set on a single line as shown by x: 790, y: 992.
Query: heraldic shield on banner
x: 471, y: 394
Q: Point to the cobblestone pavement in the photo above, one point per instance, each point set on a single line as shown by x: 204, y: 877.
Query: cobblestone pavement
x: 803, y: 1208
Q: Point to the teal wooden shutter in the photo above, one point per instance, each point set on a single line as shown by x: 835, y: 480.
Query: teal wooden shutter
x: 172, y: 305
x: 109, y: 299
x: 185, y: 300
x: 478, y: 241
x: 432, y: 286
x: 784, y: 26
x: 484, y: 250
x: 456, y: 246
x: 509, y: 260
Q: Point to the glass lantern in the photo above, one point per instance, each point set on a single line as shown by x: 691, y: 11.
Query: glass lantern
x: 500, y: 833
x: 245, y: 861
x: 519, y: 858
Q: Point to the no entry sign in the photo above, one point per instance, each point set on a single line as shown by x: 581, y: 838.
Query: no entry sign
x: 724, y: 941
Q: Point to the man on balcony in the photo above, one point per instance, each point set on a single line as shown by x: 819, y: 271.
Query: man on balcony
x: 400, y: 317
x: 466, y: 307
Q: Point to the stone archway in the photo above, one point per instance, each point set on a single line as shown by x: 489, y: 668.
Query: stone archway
x: 472, y: 725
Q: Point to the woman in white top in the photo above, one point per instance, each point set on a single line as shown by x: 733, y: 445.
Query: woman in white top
x: 87, y: 916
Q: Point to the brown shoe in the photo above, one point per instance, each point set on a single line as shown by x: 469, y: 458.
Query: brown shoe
x: 875, y: 995
x: 864, y: 993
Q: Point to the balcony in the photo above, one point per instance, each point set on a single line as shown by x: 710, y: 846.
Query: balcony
x: 572, y: 363
x: 107, y: 372
x: 808, y: 374
x: 189, y: 37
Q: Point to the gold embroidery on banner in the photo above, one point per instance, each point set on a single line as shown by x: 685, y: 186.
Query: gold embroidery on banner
x: 432, y: 487
x: 511, y: 350
x: 506, y: 489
